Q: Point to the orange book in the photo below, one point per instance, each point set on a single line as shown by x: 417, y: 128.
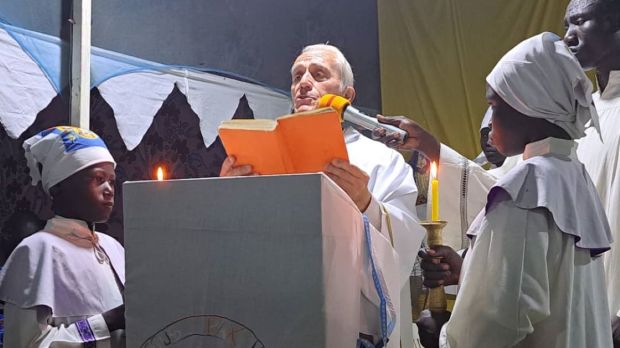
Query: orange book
x: 298, y: 143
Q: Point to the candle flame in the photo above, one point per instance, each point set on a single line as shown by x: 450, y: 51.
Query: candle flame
x: 433, y: 170
x: 160, y: 173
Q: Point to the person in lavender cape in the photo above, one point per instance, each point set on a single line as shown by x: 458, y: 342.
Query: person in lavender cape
x: 63, y: 286
x: 533, y: 275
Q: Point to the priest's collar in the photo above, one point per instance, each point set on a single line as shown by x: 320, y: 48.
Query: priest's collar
x: 550, y: 146
x: 612, y: 90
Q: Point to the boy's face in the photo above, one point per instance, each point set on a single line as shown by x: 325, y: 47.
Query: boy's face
x: 508, y: 126
x: 87, y: 195
x: 490, y: 152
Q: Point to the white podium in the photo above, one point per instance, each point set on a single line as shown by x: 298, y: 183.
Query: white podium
x: 270, y: 261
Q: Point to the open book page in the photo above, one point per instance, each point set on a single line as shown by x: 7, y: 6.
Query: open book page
x: 297, y: 143
x: 313, y: 141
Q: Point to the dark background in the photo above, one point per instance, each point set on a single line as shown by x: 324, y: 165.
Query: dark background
x: 258, y: 39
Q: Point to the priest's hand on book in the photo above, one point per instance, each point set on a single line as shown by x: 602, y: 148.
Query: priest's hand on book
x: 230, y: 169
x: 441, y: 265
x: 418, y: 138
x: 352, y: 180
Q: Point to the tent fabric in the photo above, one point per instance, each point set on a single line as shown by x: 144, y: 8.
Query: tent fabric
x: 133, y: 87
x: 435, y: 55
x: 133, y: 118
x: 213, y: 98
x: 44, y: 50
x: 24, y: 87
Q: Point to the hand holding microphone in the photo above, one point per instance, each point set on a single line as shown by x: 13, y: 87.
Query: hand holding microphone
x: 418, y: 138
x: 384, y: 132
x: 397, y: 132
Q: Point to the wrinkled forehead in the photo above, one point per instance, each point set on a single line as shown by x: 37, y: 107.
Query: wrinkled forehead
x: 318, y: 57
x: 576, y: 7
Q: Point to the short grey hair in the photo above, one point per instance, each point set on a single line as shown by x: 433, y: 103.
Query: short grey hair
x: 346, y: 73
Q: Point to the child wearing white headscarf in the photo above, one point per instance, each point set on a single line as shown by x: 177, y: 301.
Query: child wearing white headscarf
x: 534, y: 276
x: 63, y: 285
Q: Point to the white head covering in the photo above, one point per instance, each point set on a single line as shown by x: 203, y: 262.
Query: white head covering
x: 541, y: 78
x: 486, y: 120
x: 62, y: 152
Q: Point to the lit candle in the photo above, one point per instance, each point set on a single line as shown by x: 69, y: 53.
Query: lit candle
x: 160, y: 173
x: 434, y: 193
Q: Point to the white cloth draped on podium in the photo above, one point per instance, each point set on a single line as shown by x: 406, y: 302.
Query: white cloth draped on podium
x: 273, y: 261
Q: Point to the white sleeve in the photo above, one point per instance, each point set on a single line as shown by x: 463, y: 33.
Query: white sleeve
x: 610, y: 190
x: 30, y: 328
x: 443, y: 338
x: 374, y: 213
x: 505, y: 286
x: 397, y: 237
x: 385, y: 262
x: 463, y: 190
x: 396, y: 193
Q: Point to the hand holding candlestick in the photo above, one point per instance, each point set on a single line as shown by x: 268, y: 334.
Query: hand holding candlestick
x: 441, y: 266
x: 436, y: 296
x: 437, y: 301
x: 431, y: 320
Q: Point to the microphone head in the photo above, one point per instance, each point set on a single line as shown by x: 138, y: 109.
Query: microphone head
x: 336, y: 102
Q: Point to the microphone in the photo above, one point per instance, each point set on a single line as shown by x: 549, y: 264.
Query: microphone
x: 349, y: 113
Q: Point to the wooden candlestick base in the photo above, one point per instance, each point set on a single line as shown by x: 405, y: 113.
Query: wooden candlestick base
x: 437, y: 301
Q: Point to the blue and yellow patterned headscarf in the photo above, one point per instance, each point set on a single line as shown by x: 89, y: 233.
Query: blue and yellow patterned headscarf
x: 61, y: 152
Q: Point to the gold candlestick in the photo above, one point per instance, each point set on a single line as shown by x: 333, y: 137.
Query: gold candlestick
x: 437, y: 301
